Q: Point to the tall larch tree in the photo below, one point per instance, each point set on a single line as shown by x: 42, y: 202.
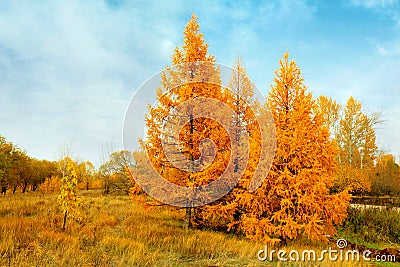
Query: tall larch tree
x: 193, y: 75
x: 294, y: 201
x: 225, y: 212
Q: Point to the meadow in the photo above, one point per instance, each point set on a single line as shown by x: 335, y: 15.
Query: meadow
x: 115, y: 231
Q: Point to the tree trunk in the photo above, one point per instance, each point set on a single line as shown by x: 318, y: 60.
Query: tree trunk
x: 24, y: 187
x: 106, y: 186
x: 188, y: 215
x: 65, y: 220
x: 188, y: 218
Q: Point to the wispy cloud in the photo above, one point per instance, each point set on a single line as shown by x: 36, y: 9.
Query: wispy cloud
x: 391, y: 48
x: 389, y: 8
x: 375, y: 3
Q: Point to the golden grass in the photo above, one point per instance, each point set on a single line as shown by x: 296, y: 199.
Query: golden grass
x: 114, y: 231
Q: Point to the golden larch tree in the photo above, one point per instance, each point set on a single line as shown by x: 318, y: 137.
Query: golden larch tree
x: 294, y: 201
x: 225, y: 213
x: 193, y: 76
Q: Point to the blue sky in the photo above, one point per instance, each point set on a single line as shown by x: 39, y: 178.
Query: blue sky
x: 68, y: 69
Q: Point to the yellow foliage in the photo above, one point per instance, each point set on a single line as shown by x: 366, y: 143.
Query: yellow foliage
x: 67, y: 197
x: 330, y: 110
x: 356, y: 136
x: 355, y: 179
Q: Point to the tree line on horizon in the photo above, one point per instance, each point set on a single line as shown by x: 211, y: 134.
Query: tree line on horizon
x: 19, y: 171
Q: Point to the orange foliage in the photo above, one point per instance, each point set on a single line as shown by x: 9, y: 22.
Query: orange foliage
x: 193, y: 76
x: 294, y: 201
x: 92, y: 184
x: 223, y: 214
x: 50, y: 185
x: 386, y: 178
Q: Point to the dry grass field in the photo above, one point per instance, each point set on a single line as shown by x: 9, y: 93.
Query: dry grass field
x: 114, y: 231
